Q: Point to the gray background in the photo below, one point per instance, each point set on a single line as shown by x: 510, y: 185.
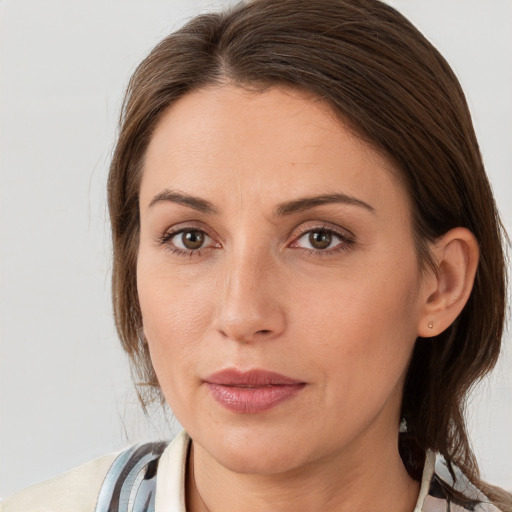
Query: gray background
x: 65, y: 387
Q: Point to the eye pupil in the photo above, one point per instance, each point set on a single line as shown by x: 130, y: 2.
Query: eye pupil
x: 192, y: 239
x: 320, y: 239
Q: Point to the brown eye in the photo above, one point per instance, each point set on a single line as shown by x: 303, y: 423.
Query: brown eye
x: 191, y: 240
x: 188, y: 241
x: 320, y: 239
x: 323, y: 241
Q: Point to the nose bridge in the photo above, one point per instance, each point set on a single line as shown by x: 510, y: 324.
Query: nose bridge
x: 249, y: 307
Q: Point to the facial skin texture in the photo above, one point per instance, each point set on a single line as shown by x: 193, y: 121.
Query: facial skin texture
x: 343, y: 320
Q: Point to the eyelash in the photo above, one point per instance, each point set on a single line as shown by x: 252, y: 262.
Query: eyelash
x: 346, y: 241
x: 166, y: 238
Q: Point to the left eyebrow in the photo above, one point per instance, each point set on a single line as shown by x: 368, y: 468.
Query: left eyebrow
x: 173, y: 196
x: 306, y: 203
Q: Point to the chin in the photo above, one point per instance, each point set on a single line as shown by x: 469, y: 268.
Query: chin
x: 252, y: 452
x: 260, y: 461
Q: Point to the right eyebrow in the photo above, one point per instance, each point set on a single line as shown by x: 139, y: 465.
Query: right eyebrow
x: 201, y: 205
x: 307, y: 203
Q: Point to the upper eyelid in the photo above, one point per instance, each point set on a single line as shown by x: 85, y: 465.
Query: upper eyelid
x: 343, y: 239
x: 189, y: 226
x: 327, y: 226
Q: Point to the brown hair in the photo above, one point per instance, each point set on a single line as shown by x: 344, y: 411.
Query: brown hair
x: 379, y: 74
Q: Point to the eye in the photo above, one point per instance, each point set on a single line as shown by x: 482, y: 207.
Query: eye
x: 322, y: 240
x: 187, y: 241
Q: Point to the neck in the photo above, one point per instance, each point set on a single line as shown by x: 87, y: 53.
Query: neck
x: 342, y: 483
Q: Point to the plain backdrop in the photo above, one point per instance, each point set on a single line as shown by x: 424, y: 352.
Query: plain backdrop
x: 66, y: 395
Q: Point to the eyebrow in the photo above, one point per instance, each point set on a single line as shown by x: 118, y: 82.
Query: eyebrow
x: 306, y: 203
x: 201, y: 205
x: 287, y: 208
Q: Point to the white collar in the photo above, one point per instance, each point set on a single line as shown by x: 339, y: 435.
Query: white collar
x: 428, y: 473
x: 170, y: 486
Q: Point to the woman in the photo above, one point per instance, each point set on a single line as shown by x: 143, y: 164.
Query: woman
x: 307, y: 260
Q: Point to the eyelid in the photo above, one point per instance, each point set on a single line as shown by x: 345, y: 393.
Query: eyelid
x: 191, y: 225
x: 306, y: 227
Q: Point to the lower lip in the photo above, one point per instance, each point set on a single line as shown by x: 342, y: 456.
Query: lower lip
x: 250, y: 400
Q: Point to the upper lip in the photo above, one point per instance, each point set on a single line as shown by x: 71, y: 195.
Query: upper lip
x: 250, y: 378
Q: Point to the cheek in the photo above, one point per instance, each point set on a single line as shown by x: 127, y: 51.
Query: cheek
x: 365, y: 335
x: 363, y: 304
x: 175, y: 315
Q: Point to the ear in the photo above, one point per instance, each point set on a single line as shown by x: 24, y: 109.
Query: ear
x: 447, y: 290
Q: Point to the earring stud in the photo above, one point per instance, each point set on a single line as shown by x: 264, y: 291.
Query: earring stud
x: 431, y: 325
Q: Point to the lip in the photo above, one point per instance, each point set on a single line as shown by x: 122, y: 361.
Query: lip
x: 251, y: 391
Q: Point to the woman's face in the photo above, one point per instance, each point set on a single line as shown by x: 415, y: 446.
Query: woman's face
x: 278, y: 280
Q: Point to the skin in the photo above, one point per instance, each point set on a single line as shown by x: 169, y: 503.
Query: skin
x: 258, y: 294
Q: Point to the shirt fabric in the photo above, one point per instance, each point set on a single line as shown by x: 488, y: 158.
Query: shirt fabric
x: 87, y: 487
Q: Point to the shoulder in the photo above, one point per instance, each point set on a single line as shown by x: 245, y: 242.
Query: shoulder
x: 75, y: 490
x: 453, y: 492
x: 120, y: 481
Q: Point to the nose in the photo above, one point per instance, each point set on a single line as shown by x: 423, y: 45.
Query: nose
x: 250, y: 300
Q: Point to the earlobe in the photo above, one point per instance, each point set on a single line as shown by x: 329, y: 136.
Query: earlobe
x: 456, y: 255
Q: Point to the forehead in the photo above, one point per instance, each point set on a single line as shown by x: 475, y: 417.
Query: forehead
x: 233, y: 145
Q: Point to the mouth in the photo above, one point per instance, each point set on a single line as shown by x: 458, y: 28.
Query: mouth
x: 252, y: 391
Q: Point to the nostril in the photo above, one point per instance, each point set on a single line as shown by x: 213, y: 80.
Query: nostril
x: 238, y: 321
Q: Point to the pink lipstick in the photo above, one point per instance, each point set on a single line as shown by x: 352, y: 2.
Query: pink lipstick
x: 251, y: 391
